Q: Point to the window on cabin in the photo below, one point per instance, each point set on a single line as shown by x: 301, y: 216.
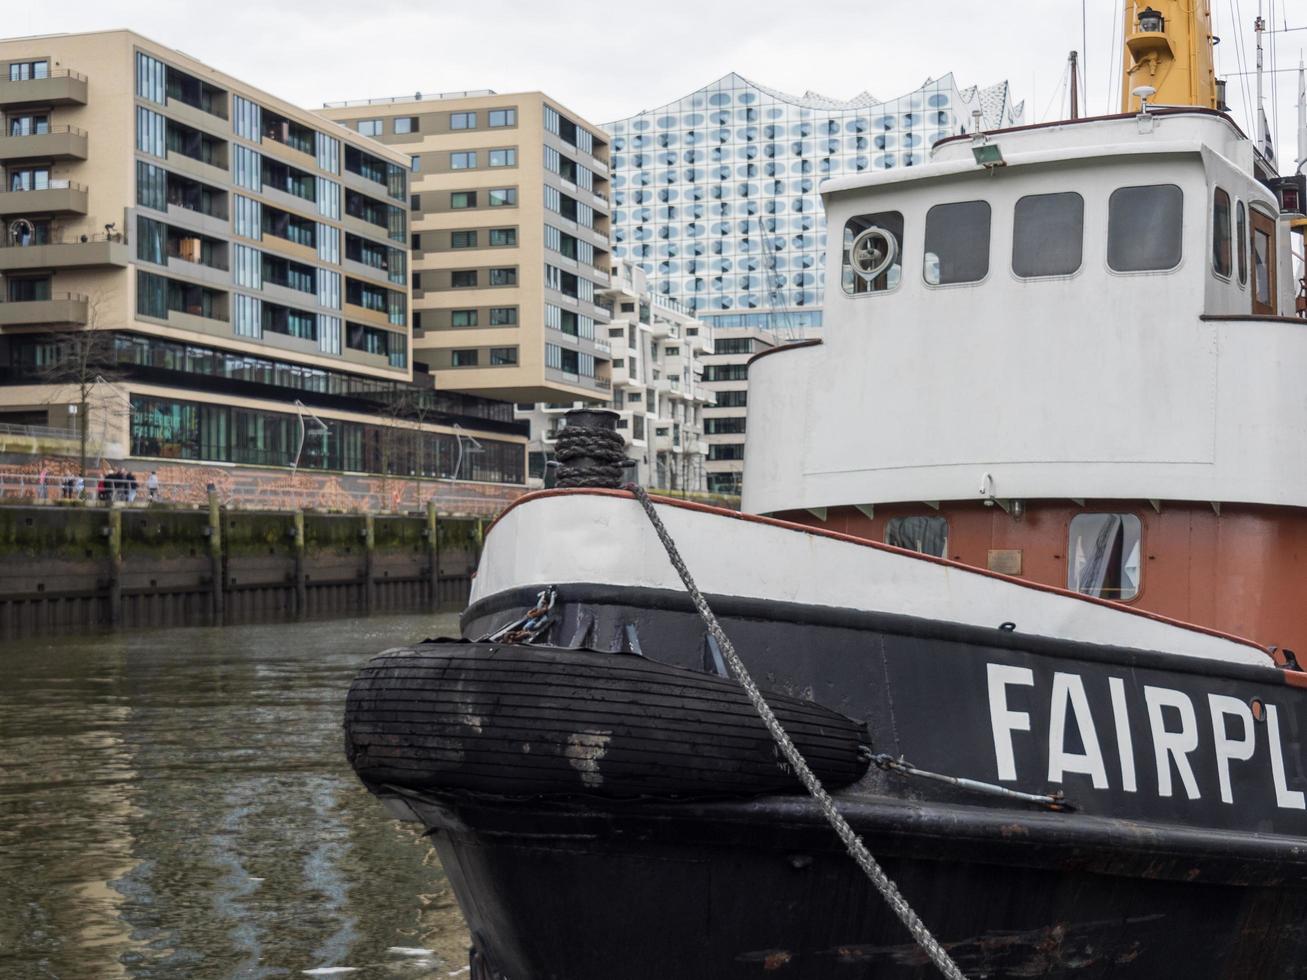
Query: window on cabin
x: 957, y: 243
x: 1048, y: 232
x: 891, y: 222
x: 1222, y: 260
x: 927, y: 535
x: 1144, y: 228
x: 1241, y: 238
x: 1103, y: 556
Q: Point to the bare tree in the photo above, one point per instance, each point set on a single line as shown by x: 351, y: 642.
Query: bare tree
x: 86, y: 361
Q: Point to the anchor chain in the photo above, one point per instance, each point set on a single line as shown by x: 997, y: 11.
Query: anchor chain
x: 852, y: 842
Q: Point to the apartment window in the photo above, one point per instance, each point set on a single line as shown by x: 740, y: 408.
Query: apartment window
x: 405, y: 124
x: 33, y: 289
x: 925, y: 535
x: 957, y: 243
x: 731, y: 425
x: 458, y: 200
x: 635, y: 397
x: 151, y: 186
x: 503, y: 236
x: 415, y: 202
x: 463, y: 278
x: 724, y: 450
x: 151, y: 132
x: 247, y: 119
x: 415, y: 163
x: 503, y: 355
x: 463, y: 318
x: 1222, y: 259
x: 503, y: 316
x: 1144, y: 228
x: 1103, y: 555
x: 463, y: 160
x: 503, y: 277
x: 503, y: 158
x: 22, y: 71
x: 463, y: 239
x: 463, y: 358
x: 415, y: 242
x: 151, y: 78
x: 247, y: 266
x: 247, y: 167
x: 329, y: 333
x: 328, y: 154
x: 503, y: 197
x: 328, y: 239
x: 370, y: 127
x: 502, y: 117
x: 1048, y: 235
x: 462, y: 120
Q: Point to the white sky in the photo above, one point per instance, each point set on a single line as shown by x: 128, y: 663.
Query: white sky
x: 608, y: 60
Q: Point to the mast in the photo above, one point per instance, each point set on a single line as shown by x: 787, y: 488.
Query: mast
x: 1075, y: 87
x: 1302, y: 117
x: 1263, y: 130
x: 1169, y: 48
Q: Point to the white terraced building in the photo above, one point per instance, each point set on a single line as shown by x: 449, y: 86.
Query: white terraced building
x: 715, y: 195
x: 658, y: 352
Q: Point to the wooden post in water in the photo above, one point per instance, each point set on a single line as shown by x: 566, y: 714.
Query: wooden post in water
x: 301, y: 581
x: 433, y: 558
x: 115, y: 530
x: 216, y: 604
x: 369, y: 561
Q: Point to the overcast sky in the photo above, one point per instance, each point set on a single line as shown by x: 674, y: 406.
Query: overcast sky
x: 610, y: 60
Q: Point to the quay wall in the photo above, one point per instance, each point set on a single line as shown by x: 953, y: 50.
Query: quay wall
x: 68, y: 566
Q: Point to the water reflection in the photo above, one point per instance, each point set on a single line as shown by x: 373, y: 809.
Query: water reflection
x: 177, y: 803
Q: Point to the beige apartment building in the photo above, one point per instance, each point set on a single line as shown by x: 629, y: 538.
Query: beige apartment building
x: 510, y: 221
x: 230, y: 271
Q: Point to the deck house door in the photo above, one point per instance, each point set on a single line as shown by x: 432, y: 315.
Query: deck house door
x: 1263, y: 250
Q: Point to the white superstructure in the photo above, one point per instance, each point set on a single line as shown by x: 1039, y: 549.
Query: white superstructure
x: 1089, y: 314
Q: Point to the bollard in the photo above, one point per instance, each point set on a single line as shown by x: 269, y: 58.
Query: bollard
x: 214, y: 531
x: 301, y: 580
x: 433, y: 558
x: 115, y: 536
x: 590, y: 449
x: 369, y: 562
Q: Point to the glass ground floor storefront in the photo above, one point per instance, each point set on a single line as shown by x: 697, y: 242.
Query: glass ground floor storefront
x: 170, y: 428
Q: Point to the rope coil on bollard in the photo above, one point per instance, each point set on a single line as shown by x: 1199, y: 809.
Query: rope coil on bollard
x: 590, y: 457
x: 852, y: 842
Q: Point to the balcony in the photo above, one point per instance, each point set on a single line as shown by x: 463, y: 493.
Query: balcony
x: 69, y: 198
x: 60, y: 143
x: 76, y: 253
x: 62, y: 308
x: 59, y: 88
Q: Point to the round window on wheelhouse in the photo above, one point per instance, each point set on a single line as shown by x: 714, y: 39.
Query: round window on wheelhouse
x: 872, y: 256
x: 1104, y: 556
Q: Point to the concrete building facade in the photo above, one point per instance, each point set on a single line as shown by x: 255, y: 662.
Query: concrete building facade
x: 659, y: 351
x: 510, y: 213
x: 220, y: 276
x: 726, y: 375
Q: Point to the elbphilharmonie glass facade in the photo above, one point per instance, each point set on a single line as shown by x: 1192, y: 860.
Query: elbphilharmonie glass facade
x: 715, y: 196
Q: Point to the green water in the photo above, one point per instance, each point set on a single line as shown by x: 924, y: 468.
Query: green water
x: 176, y: 803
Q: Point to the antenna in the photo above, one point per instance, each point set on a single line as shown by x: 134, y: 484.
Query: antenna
x: 1302, y: 117
x: 1143, y: 93
x: 1263, y: 128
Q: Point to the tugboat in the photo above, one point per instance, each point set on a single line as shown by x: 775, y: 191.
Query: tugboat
x: 1019, y: 574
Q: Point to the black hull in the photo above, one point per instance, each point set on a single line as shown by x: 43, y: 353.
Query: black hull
x: 1183, y: 853
x: 720, y: 891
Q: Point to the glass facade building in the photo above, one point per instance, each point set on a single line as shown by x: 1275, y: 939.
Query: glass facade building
x: 716, y: 195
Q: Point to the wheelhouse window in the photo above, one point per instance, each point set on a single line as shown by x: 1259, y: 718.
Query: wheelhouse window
x: 1048, y: 232
x: 927, y: 535
x: 1144, y: 228
x: 1263, y: 301
x: 854, y: 280
x: 1241, y: 241
x: 1103, y: 556
x: 957, y: 243
x: 1222, y: 260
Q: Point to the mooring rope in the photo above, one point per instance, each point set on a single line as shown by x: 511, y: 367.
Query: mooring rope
x: 857, y: 850
x: 590, y: 457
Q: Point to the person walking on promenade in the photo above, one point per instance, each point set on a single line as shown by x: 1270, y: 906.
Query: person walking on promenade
x: 152, y: 485
x: 79, y: 487
x: 43, y: 483
x: 131, y: 487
